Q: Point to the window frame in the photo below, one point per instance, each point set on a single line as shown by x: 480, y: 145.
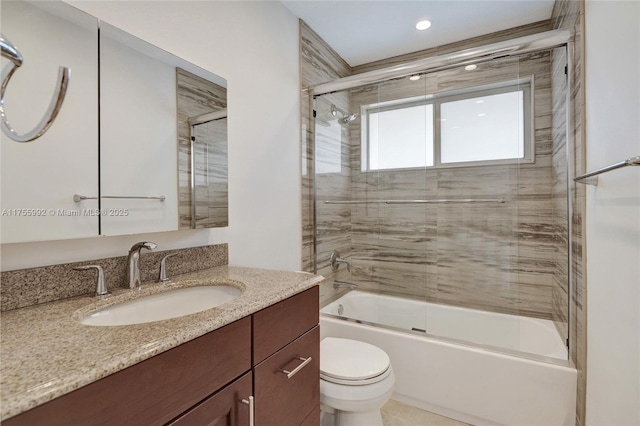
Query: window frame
x: 524, y: 85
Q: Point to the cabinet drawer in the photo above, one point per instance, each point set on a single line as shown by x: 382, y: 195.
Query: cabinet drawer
x: 225, y: 407
x: 156, y: 390
x: 288, y: 401
x: 274, y: 327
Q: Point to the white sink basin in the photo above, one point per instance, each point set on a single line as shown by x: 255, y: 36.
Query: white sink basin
x: 162, y: 306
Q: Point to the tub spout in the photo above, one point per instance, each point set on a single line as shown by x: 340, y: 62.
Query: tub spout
x: 340, y: 284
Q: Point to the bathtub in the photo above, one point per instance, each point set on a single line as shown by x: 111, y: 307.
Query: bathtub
x: 478, y: 367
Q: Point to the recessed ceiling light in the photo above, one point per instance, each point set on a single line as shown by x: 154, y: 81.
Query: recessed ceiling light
x: 482, y: 114
x: 470, y: 67
x: 414, y: 77
x: 423, y: 25
x: 480, y: 101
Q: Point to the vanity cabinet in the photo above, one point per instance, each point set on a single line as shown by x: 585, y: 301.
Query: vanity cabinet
x: 272, y: 355
x: 225, y: 407
x: 286, y: 357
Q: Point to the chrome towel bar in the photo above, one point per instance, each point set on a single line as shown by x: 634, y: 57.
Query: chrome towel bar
x: 633, y: 161
x: 434, y: 201
x: 77, y: 198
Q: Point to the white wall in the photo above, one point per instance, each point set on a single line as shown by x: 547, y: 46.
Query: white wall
x: 612, y: 71
x: 254, y: 45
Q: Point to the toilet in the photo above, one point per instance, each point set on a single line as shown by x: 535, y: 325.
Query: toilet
x: 356, y: 380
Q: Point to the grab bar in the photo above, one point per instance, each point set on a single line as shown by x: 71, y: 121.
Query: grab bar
x: 10, y: 52
x: 633, y: 161
x: 77, y: 198
x: 434, y: 201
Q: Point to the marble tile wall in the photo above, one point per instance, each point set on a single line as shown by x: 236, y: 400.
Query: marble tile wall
x: 196, y: 96
x: 319, y: 63
x: 560, y: 290
x: 569, y: 14
x: 496, y: 257
x: 33, y: 286
x: 523, y: 241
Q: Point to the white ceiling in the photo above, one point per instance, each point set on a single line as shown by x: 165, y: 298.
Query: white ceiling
x: 367, y: 30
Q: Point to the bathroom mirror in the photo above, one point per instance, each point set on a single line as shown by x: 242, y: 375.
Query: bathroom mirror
x: 118, y: 159
x: 163, y: 143
x: 39, y: 178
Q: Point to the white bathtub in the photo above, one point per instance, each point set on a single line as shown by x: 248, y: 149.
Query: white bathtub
x: 475, y: 384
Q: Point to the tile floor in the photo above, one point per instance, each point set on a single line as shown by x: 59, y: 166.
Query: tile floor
x: 395, y: 413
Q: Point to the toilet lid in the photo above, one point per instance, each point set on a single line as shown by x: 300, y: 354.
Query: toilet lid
x: 351, y: 359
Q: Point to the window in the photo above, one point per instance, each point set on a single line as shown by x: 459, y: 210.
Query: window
x: 482, y: 126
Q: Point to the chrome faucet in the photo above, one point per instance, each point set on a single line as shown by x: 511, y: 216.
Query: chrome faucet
x: 336, y: 260
x: 133, y: 263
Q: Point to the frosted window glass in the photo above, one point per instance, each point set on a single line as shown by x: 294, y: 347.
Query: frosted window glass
x: 483, y: 128
x: 401, y: 138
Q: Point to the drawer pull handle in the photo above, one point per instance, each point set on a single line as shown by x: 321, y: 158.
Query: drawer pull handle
x: 292, y: 373
x: 251, y: 409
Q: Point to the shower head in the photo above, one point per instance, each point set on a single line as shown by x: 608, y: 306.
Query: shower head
x: 347, y: 119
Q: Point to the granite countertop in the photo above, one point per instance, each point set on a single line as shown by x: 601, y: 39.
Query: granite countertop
x: 46, y: 352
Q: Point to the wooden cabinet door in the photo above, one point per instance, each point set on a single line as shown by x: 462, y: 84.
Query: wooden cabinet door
x: 278, y: 325
x: 288, y: 401
x: 224, y: 408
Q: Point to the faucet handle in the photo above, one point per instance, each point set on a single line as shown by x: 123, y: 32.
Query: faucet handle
x: 162, y: 278
x: 335, y: 261
x: 101, y: 288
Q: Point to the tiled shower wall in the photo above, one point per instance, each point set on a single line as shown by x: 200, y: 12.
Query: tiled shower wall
x: 501, y: 257
x: 494, y: 256
x: 319, y: 63
x: 569, y: 14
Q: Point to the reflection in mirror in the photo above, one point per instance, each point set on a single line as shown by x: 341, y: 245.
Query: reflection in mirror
x: 202, y: 152
x: 141, y: 127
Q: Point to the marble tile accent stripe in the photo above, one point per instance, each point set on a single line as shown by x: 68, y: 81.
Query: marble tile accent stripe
x: 34, y: 286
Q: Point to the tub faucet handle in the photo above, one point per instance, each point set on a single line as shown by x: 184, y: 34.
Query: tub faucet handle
x: 162, y: 277
x: 336, y: 260
x: 101, y: 287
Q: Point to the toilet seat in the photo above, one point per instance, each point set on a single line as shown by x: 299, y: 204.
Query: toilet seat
x: 351, y: 362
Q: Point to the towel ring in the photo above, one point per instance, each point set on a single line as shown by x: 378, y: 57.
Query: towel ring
x: 10, y: 52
